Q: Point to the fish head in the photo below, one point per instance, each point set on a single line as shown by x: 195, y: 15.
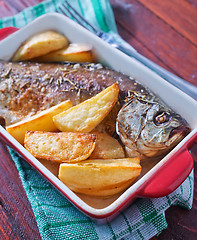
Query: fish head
x: 149, y: 128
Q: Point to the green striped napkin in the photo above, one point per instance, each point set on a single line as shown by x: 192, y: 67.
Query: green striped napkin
x: 56, y: 217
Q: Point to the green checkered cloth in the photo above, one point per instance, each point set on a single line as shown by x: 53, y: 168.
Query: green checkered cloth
x: 56, y: 217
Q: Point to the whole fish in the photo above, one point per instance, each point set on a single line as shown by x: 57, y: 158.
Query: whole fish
x: 149, y: 128
x: 145, y: 125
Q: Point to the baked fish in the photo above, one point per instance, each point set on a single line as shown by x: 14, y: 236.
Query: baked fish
x: 145, y: 125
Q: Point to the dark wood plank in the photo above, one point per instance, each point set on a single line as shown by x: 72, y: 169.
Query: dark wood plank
x: 193, y: 3
x: 6, y: 9
x: 16, y: 5
x: 17, y: 220
x: 170, y: 47
x: 141, y: 48
x: 174, y: 14
x: 10, y: 7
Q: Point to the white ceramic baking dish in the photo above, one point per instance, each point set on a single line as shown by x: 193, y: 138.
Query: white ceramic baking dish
x: 170, y: 171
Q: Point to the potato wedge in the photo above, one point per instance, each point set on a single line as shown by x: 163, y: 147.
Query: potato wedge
x: 85, y: 116
x: 75, y: 52
x: 40, y: 44
x: 61, y: 146
x: 100, y: 177
x: 42, y: 121
x: 107, y: 147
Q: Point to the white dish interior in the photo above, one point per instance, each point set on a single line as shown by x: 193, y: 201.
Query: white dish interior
x: 176, y: 99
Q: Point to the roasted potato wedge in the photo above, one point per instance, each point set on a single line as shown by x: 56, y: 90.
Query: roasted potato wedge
x: 75, y: 52
x: 107, y: 147
x: 100, y: 177
x: 40, y: 44
x: 42, y: 121
x: 61, y: 146
x: 85, y: 116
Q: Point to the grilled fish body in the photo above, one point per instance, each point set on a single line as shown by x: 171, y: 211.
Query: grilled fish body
x: 27, y: 88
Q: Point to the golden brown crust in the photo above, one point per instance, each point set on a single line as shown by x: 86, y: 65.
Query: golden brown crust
x: 100, y: 177
x: 60, y: 147
x: 85, y: 116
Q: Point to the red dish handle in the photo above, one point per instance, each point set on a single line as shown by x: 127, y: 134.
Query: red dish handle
x: 171, y: 175
x: 5, y: 32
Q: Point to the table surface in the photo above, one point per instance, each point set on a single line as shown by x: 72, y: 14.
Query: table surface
x: 163, y: 31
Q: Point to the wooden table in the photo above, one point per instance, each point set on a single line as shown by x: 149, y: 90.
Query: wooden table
x: 163, y: 31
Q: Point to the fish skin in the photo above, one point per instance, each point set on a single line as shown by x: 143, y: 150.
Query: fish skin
x: 149, y: 128
x: 27, y: 88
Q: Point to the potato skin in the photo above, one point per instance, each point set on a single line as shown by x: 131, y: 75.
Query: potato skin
x: 100, y: 177
x: 104, y: 192
x: 106, y: 147
x: 74, y: 52
x: 40, y: 44
x: 85, y: 116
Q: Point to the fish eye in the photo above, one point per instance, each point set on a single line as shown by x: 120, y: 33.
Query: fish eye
x: 161, y: 118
